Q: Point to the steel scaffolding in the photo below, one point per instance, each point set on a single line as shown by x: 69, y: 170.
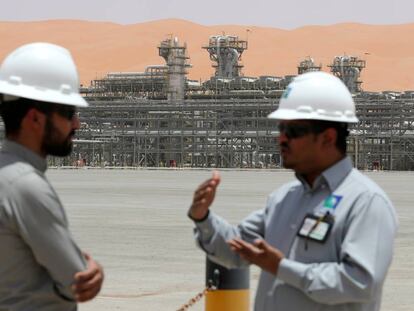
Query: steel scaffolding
x: 193, y: 133
x: 231, y: 133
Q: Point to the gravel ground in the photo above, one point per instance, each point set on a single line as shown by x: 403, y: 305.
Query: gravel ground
x: 134, y: 222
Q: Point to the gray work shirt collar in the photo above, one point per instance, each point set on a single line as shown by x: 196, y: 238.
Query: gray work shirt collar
x: 25, y: 154
x: 331, y: 177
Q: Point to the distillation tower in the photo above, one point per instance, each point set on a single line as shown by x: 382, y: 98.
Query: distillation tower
x: 176, y: 58
x: 348, y: 69
x: 225, y: 52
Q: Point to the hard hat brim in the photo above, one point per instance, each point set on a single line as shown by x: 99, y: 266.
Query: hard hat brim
x: 45, y: 95
x: 289, y: 114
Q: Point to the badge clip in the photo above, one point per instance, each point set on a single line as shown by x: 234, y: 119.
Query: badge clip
x: 316, y: 228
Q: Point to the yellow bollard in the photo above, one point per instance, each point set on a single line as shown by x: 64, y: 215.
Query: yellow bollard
x: 231, y: 288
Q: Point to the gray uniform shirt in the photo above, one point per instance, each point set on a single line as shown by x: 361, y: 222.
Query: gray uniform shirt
x: 38, y: 257
x: 346, y: 272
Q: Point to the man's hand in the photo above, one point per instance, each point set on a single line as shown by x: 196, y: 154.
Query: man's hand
x: 260, y: 253
x: 204, y: 196
x: 88, y: 283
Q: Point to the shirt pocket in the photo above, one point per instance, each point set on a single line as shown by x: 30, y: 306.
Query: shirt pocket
x: 306, y: 250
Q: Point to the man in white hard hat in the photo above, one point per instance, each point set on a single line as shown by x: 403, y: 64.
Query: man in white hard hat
x: 324, y: 241
x: 41, y: 267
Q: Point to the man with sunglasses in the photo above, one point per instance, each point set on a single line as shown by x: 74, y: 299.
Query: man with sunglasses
x: 324, y: 241
x: 41, y: 267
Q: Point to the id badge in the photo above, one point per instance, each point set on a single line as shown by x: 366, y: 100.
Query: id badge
x: 316, y: 228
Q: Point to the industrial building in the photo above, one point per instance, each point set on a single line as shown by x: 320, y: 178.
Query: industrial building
x: 160, y: 118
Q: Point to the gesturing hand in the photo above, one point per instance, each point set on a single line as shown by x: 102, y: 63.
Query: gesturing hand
x: 204, y: 196
x: 88, y: 283
x: 259, y: 253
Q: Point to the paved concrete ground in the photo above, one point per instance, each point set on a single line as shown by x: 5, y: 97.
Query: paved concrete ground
x: 134, y: 222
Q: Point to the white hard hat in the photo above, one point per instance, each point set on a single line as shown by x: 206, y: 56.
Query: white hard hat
x: 316, y: 96
x: 43, y: 72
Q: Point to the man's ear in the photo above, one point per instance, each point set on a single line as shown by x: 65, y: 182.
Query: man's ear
x: 329, y: 137
x: 33, y: 119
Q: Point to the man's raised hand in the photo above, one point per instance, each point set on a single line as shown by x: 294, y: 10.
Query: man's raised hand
x: 204, y: 196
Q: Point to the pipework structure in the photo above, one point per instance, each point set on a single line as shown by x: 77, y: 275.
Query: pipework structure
x: 348, y: 69
x: 156, y: 82
x: 232, y: 133
x: 226, y: 51
x: 192, y: 133
x: 308, y: 65
x: 150, y: 119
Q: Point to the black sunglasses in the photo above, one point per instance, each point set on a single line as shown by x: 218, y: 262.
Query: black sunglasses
x: 297, y: 130
x: 65, y: 111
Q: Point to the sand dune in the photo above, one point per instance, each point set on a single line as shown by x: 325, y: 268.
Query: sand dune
x: 100, y: 47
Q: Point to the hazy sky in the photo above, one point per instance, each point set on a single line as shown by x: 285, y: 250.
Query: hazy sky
x: 286, y: 14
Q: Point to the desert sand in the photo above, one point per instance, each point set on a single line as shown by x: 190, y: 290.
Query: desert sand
x: 100, y: 47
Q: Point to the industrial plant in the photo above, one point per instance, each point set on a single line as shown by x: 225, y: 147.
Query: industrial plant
x: 160, y: 118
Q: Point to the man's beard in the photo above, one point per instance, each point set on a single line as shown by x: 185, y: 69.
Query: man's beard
x: 53, y: 142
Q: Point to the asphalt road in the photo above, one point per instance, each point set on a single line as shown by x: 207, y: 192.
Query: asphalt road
x: 134, y: 222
